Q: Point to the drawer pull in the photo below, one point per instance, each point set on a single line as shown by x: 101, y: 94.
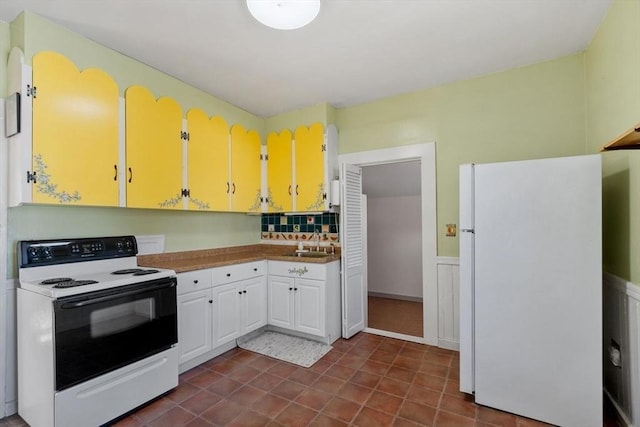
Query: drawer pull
x: 210, y: 301
x: 195, y: 282
x: 255, y: 269
x: 228, y: 274
x: 240, y: 292
x: 290, y: 289
x: 244, y: 292
x: 295, y: 289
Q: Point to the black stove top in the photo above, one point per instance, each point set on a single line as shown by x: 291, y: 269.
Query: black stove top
x: 136, y: 271
x: 66, y: 282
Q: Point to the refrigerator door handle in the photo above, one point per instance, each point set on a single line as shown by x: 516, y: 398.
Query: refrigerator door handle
x: 467, y: 230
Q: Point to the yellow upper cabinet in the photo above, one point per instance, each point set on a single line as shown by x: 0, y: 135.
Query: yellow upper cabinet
x: 310, y: 168
x: 208, y: 162
x: 153, y: 150
x: 75, y: 133
x: 279, y: 172
x: 246, y: 172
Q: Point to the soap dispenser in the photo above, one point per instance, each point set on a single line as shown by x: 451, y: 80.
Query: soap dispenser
x: 300, y: 245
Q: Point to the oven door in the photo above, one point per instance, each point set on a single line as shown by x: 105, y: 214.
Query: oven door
x: 101, y: 331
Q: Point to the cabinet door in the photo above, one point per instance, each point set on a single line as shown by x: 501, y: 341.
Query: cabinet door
x: 280, y: 312
x: 226, y: 313
x: 208, y: 161
x: 310, y: 168
x: 75, y: 133
x: 279, y: 172
x: 154, y: 150
x: 246, y: 170
x: 254, y: 303
x: 194, y: 324
x: 310, y: 306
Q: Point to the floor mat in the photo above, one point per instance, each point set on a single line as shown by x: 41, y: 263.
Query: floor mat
x: 298, y: 351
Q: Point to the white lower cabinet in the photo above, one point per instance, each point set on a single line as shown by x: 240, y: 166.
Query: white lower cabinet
x: 216, y: 306
x: 305, y: 298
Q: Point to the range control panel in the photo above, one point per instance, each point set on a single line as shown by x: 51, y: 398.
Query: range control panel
x: 33, y: 253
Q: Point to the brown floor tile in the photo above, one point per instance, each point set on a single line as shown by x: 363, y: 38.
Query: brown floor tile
x: 437, y: 359
x: 324, y: 421
x: 342, y: 345
x: 528, y: 422
x: 320, y: 366
x: 402, y: 422
x: 225, y: 366
x: 154, y: 410
x: 282, y: 369
x: 453, y: 387
x: 172, y: 418
x: 288, y: 389
x: 303, y: 376
x: 400, y: 374
x: 395, y: 387
x: 296, y: 415
x: 407, y: 363
x: 412, y: 353
x: 448, y: 419
x: 370, y: 417
x: 198, y: 422
x: 130, y: 421
x: 201, y: 401
x: 193, y: 372
x: 205, y: 379
x: 359, y: 351
x: 351, y: 361
x: 243, y: 374
x: 328, y: 384
x: 424, y: 396
x: 355, y: 393
x: 182, y: 392
x: 246, y: 395
x: 270, y: 405
x: 391, y: 346
x: 341, y: 409
x: 332, y: 356
x: 342, y: 372
x: 430, y: 381
x: 432, y: 369
x: 250, y: 419
x: 465, y: 406
x: 384, y: 402
x: 223, y: 412
x: 314, y: 399
x: 383, y: 356
x: 265, y: 381
x: 418, y: 413
x: 263, y: 363
x: 374, y: 367
x: 365, y: 379
x: 224, y: 386
x: 492, y: 416
x: 244, y: 356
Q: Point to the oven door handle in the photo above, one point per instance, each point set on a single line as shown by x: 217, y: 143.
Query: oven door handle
x: 71, y: 305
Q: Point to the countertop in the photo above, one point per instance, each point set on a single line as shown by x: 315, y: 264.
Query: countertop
x: 209, y: 258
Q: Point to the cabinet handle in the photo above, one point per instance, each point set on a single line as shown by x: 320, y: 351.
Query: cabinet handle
x: 234, y: 188
x: 195, y: 281
x: 227, y: 187
x: 296, y: 190
x: 244, y: 292
x: 210, y: 301
x: 130, y: 174
x: 290, y: 289
x: 115, y: 176
x: 295, y: 289
x: 289, y: 190
x: 228, y: 274
x: 255, y: 269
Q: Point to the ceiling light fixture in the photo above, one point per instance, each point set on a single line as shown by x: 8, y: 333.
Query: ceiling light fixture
x: 284, y: 14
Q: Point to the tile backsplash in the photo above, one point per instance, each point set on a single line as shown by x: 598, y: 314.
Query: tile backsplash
x: 300, y: 227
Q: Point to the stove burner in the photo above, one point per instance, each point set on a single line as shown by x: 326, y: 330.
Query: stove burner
x: 128, y: 271
x: 73, y: 283
x: 56, y: 280
x: 145, y: 272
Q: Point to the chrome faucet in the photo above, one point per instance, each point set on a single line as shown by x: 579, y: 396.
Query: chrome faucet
x: 316, y: 238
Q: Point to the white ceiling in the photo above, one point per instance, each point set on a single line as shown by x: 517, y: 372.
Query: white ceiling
x: 392, y: 179
x: 355, y: 51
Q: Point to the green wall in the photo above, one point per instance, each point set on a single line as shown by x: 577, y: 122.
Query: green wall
x: 612, y: 67
x: 524, y: 113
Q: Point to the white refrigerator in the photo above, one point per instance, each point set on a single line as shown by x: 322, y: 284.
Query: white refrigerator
x: 531, y: 288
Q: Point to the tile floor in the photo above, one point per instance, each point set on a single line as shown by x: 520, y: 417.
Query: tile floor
x: 365, y: 381
x: 386, y: 314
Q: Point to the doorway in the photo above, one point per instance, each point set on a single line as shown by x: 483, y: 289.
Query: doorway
x: 424, y: 156
x: 394, y: 247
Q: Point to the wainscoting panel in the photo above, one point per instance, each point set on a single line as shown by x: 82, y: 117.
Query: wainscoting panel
x: 449, y: 302
x: 621, y: 346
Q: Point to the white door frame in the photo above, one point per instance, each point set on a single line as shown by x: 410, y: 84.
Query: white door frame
x: 426, y: 154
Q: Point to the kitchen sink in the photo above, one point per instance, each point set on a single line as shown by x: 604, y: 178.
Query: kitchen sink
x: 311, y: 254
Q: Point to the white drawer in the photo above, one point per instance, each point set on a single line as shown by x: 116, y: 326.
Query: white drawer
x: 194, y: 281
x: 233, y: 273
x: 298, y: 270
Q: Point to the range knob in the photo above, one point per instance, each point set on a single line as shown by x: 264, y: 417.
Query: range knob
x: 128, y: 244
x: 32, y: 252
x: 119, y: 244
x: 46, y: 251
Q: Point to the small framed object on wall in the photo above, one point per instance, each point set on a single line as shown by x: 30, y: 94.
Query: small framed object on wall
x: 12, y: 115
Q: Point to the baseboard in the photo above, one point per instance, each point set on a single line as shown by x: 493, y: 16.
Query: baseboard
x: 10, y: 408
x: 388, y: 334
x: 393, y: 296
x: 449, y: 344
x: 621, y: 418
